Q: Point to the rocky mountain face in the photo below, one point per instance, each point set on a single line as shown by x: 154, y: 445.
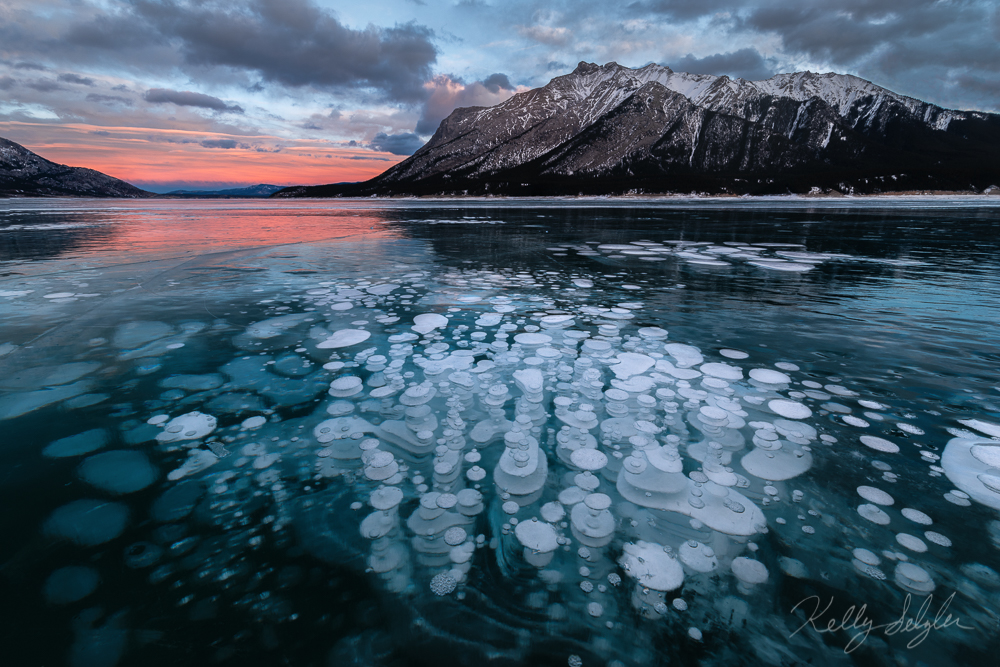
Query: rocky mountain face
x: 610, y: 130
x: 25, y: 174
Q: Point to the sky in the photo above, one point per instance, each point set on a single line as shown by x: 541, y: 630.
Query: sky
x: 170, y: 94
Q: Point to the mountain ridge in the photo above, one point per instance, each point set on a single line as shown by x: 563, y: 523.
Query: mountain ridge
x: 24, y: 173
x: 581, y: 132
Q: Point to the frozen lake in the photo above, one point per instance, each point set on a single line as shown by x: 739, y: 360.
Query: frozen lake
x: 552, y: 432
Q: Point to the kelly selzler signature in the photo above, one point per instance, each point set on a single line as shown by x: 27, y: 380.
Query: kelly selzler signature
x: 855, y: 619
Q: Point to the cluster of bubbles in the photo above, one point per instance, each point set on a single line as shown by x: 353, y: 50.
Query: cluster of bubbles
x: 557, y: 437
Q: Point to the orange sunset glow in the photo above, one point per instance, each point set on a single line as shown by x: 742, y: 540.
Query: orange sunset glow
x: 180, y: 158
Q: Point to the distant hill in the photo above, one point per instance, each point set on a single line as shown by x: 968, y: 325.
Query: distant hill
x: 261, y: 190
x: 26, y: 174
x: 614, y: 130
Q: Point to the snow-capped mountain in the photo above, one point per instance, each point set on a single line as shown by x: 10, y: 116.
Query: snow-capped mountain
x: 607, y: 129
x: 26, y: 174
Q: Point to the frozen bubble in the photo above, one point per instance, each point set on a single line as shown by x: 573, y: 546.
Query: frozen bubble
x: 119, y: 472
x: 913, y: 578
x: 937, y: 538
x: 344, y: 338
x: 190, y: 426
x: 428, y: 322
x: 876, y: 443
x: 583, y: 282
x: 912, y: 543
x: 345, y: 386
x: 749, y: 571
x: 873, y: 495
x: 651, y: 566
x: 874, y: 514
x: 733, y: 354
x: 988, y: 454
x: 630, y: 364
x: 70, y: 584
x: 793, y: 568
x: 87, y: 522
x: 785, y: 366
x: 386, y: 498
x: 443, y: 583
x: 685, y: 355
x: 510, y: 507
x: 867, y: 557
x: 574, y: 661
x: 456, y: 535
x: 253, y: 422
x: 680, y: 604
x: 989, y: 429
x: 917, y: 516
x: 75, y: 445
x: 722, y: 371
x: 789, y: 409
x: 589, y: 459
x: 767, y: 376
x: 536, y: 535
x: 553, y: 512
x: 695, y: 634
x: 909, y: 428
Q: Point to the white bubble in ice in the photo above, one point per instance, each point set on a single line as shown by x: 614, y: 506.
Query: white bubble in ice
x: 988, y: 454
x: 767, y: 376
x: 695, y: 634
x: 749, y: 571
x: 589, y: 459
x: 989, y: 429
x: 785, y: 366
x: 456, y: 535
x: 878, y: 444
x: 873, y: 495
x: 937, y: 538
x: 651, y: 566
x: 344, y: 338
x: 190, y: 426
x: 912, y: 543
x: 428, y: 322
x: 909, y: 428
x: 685, y: 355
x: 443, y: 583
x: 914, y: 579
x: 345, y: 386
x: 510, y: 507
x: 722, y: 371
x: 874, y: 514
x: 553, y: 512
x: 733, y: 354
x: 789, y: 409
x: 536, y: 535
x: 253, y: 422
x: 917, y: 516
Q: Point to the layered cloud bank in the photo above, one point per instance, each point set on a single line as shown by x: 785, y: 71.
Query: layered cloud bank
x: 294, y: 80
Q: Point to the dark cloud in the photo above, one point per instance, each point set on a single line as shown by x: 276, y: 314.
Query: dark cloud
x: 397, y: 144
x: 744, y: 63
x: 76, y: 78
x: 497, y: 82
x: 101, y: 133
x: 29, y: 65
x: 222, y: 143
x: 6, y: 82
x: 294, y: 43
x: 44, y: 86
x: 110, y: 100
x: 188, y: 99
